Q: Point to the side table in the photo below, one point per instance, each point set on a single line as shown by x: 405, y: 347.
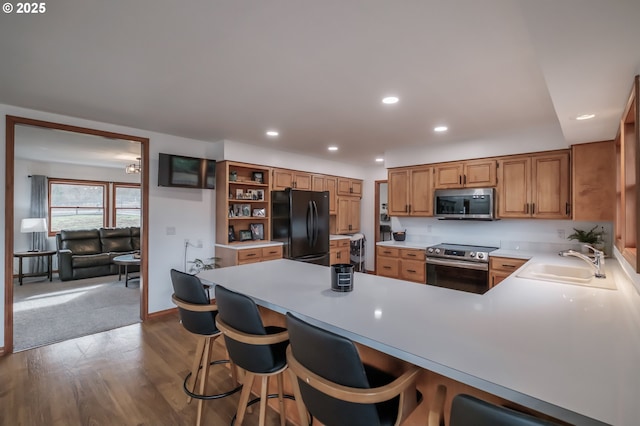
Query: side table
x: 22, y: 254
x: 125, y: 260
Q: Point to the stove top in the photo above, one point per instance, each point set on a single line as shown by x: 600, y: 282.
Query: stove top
x: 461, y: 252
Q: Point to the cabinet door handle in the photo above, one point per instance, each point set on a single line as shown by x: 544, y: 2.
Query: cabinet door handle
x: 413, y: 271
x: 250, y: 254
x: 338, y: 255
x: 567, y: 209
x: 409, y: 208
x: 508, y: 266
x: 411, y: 255
x: 464, y: 179
x: 387, y: 267
x: 533, y: 208
x: 460, y: 179
x: 351, y: 190
x: 406, y: 208
x: 386, y: 252
x: 526, y: 208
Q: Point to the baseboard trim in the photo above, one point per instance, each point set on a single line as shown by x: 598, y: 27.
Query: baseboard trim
x: 160, y: 314
x: 2, y: 351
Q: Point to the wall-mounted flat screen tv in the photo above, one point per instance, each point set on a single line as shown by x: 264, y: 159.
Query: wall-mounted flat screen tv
x: 186, y: 172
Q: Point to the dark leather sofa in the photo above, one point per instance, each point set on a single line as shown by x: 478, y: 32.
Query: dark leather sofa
x: 90, y: 252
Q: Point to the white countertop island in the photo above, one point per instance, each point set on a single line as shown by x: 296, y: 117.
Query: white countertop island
x: 568, y: 351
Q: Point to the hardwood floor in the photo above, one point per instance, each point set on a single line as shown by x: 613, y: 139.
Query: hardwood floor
x: 127, y: 376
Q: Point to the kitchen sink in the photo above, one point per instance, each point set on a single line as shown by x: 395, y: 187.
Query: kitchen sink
x: 580, y: 275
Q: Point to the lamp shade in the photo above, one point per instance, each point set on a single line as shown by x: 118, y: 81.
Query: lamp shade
x: 33, y: 224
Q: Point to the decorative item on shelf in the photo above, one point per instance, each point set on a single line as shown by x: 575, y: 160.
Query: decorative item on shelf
x: 257, y: 231
x: 232, y: 234
x: 259, y: 212
x: 592, y: 237
x: 232, y: 211
x: 245, y: 235
x: 199, y: 265
x: 259, y: 194
x: 239, y: 194
x: 233, y: 176
x: 230, y: 195
x: 134, y: 168
x: 400, y: 235
x: 246, y: 210
x: 257, y: 176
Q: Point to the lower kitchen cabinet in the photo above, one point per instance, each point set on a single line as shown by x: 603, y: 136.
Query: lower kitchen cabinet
x: 242, y: 256
x: 339, y: 251
x: 501, y: 267
x: 402, y: 263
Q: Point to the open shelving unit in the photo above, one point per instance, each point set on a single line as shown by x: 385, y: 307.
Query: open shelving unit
x: 243, y: 200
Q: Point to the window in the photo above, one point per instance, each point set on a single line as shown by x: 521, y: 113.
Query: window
x: 127, y: 205
x: 76, y: 205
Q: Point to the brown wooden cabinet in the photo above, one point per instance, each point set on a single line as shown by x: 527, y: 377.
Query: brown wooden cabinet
x: 349, y: 187
x: 242, y: 198
x: 232, y: 256
x: 339, y: 251
x: 284, y: 178
x: 331, y: 185
x: 410, y: 191
x: 465, y: 174
x: 348, y: 215
x: 501, y: 267
x: 534, y: 186
x: 593, y: 176
x: 401, y: 263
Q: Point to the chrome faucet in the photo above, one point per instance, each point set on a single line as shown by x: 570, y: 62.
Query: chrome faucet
x: 597, y: 263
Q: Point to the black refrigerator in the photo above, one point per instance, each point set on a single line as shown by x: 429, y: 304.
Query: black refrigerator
x: 300, y: 219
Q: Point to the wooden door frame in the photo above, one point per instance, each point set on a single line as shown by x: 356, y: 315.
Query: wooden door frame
x: 377, y: 221
x: 11, y: 122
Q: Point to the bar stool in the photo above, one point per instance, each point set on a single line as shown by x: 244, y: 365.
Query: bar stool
x: 257, y: 349
x: 197, y: 316
x: 467, y: 410
x: 330, y: 380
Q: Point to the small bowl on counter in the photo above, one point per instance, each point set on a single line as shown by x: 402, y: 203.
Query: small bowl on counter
x: 399, y: 236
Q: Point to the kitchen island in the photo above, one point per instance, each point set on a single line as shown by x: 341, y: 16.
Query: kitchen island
x: 567, y: 351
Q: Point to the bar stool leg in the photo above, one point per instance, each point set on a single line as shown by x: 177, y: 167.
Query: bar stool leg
x: 283, y: 419
x: 263, y: 399
x: 195, y: 368
x: 203, y: 379
x: 302, y: 410
x: 244, y: 396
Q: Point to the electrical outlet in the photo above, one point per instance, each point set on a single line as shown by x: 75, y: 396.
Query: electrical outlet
x: 561, y: 234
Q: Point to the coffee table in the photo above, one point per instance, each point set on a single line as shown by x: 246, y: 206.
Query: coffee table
x: 125, y: 260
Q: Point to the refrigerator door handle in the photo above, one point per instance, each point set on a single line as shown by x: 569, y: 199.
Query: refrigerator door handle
x: 315, y: 223
x: 310, y: 223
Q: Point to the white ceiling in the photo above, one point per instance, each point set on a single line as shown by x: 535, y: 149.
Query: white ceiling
x: 317, y: 70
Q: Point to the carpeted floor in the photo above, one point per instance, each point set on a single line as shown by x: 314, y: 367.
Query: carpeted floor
x: 47, y: 312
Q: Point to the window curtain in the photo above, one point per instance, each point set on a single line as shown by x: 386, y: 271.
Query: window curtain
x: 38, y: 209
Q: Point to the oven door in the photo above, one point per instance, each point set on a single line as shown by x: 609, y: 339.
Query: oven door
x: 458, y: 275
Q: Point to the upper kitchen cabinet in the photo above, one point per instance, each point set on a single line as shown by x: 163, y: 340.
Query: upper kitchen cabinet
x: 627, y: 226
x: 283, y: 178
x: 349, y: 187
x: 593, y: 176
x: 534, y: 186
x: 465, y: 174
x: 348, y: 216
x: 242, y: 200
x: 410, y: 191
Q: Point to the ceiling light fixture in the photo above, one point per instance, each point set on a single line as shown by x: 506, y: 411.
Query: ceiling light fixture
x: 390, y: 100
x: 379, y: 160
x: 272, y: 133
x: 585, y: 116
x: 134, y: 168
x: 440, y: 129
x: 333, y: 148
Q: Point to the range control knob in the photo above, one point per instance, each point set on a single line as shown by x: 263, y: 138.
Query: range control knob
x: 480, y: 255
x: 437, y: 251
x: 430, y: 250
x: 473, y: 254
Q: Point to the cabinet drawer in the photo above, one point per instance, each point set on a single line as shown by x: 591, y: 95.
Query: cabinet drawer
x: 270, y: 253
x: 342, y: 242
x: 412, y: 254
x: 413, y: 270
x: 505, y: 263
x: 248, y: 255
x: 388, y: 267
x: 388, y: 251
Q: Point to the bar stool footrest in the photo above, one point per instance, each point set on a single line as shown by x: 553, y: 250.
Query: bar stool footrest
x: 271, y: 395
x: 213, y: 396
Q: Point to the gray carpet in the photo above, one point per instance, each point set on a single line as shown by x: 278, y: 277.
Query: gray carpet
x: 47, y: 312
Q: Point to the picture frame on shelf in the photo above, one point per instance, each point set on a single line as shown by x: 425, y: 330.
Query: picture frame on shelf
x: 246, y: 210
x: 257, y: 231
x: 239, y: 194
x: 232, y: 234
x: 259, y: 194
x: 245, y: 235
x: 259, y: 212
x: 257, y: 177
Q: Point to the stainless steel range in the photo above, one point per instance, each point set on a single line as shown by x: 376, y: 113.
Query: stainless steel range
x: 459, y: 267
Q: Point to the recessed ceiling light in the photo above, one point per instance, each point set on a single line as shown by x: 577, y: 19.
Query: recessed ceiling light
x: 585, y: 116
x: 390, y: 100
x: 379, y: 159
x: 440, y: 129
x: 272, y: 133
x: 333, y: 148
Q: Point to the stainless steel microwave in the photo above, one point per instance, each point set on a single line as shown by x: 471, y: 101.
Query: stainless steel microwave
x: 467, y: 203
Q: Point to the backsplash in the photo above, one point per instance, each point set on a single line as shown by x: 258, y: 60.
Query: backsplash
x: 512, y: 234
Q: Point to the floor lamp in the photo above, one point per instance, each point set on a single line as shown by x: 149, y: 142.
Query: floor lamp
x: 33, y: 225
